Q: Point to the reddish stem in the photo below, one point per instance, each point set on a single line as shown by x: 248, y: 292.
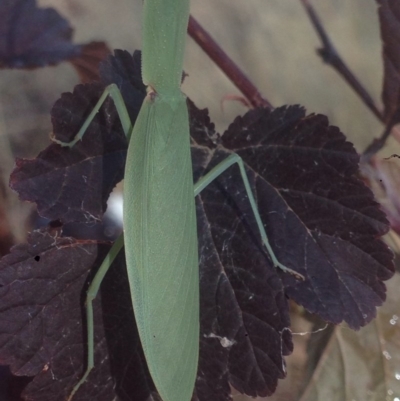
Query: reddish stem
x: 232, y: 71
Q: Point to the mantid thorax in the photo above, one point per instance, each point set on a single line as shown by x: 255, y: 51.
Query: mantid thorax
x: 164, y: 35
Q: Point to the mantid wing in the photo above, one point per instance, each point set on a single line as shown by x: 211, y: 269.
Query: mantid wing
x: 161, y: 244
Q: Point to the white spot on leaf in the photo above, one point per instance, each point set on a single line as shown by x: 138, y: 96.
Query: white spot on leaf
x: 224, y: 341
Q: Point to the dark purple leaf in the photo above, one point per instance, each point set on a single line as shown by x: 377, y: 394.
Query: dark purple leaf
x: 75, y: 185
x: 124, y: 70
x: 244, y: 313
x: 33, y: 37
x: 42, y: 334
x: 320, y: 219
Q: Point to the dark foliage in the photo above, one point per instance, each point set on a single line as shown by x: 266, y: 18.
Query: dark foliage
x: 33, y: 37
x: 321, y: 221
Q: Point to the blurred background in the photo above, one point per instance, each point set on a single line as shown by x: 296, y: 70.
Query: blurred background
x: 275, y: 45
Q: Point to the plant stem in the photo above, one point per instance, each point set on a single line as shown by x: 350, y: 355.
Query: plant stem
x: 227, y: 65
x: 330, y: 56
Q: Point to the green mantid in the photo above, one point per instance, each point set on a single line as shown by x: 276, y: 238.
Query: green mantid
x: 160, y: 234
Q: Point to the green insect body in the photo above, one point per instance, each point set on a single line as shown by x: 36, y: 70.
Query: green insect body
x: 159, y: 209
x: 164, y: 36
x: 160, y: 234
x: 161, y: 244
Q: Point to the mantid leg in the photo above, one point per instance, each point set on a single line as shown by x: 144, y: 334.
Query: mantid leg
x: 216, y: 172
x: 112, y: 91
x: 91, y: 295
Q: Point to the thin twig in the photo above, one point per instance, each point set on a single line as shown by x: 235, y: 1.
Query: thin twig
x: 378, y: 144
x: 232, y: 71
x: 330, y: 56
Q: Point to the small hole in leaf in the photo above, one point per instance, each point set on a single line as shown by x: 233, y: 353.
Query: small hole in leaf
x: 37, y: 258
